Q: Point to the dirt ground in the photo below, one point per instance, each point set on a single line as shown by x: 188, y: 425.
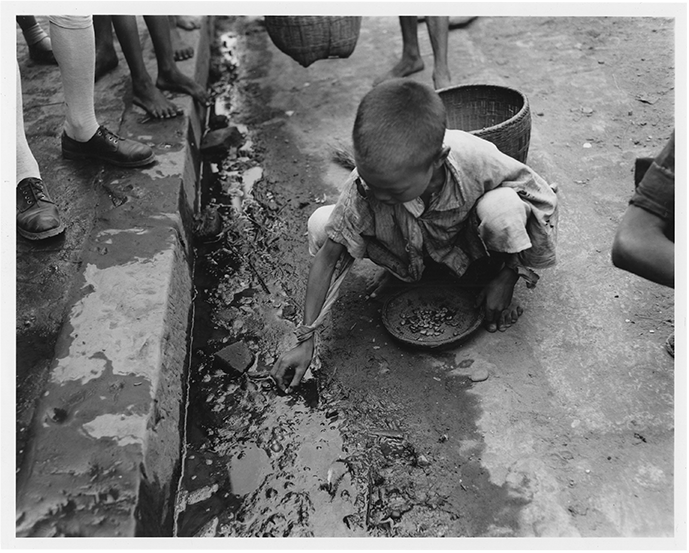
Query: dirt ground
x: 571, y: 434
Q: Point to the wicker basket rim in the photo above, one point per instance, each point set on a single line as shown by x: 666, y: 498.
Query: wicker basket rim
x: 520, y: 114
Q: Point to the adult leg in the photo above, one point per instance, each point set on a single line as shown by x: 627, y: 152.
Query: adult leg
x: 37, y: 214
x: 145, y: 93
x: 106, y: 57
x: 411, y: 61
x: 181, y: 51
x: 83, y: 137
x: 40, y: 48
x: 169, y: 76
x: 187, y: 22
x: 75, y: 51
x: 438, y: 31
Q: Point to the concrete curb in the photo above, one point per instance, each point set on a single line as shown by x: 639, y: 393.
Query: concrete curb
x: 104, y: 450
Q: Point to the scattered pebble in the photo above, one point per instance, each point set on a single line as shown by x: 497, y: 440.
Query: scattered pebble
x: 479, y: 375
x: 422, y: 461
x: 587, y: 145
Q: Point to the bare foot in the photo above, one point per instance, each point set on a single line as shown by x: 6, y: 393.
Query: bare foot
x: 106, y: 61
x: 176, y: 81
x: 441, y: 79
x: 188, y: 22
x: 501, y: 312
x: 154, y: 102
x: 406, y: 66
x: 182, y: 51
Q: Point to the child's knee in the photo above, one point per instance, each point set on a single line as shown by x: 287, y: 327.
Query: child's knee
x: 503, y: 217
x: 316, y: 228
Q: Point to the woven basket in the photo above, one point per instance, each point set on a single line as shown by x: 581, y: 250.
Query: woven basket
x: 310, y: 38
x: 498, y: 114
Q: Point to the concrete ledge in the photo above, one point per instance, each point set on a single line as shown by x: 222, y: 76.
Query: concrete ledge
x: 104, y: 448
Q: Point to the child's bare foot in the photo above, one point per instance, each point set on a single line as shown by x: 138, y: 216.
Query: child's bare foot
x: 500, y: 311
x: 106, y: 61
x: 406, y: 66
x: 188, y: 22
x: 182, y: 51
x: 153, y: 101
x: 176, y: 81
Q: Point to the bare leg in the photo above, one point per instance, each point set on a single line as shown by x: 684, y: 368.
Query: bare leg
x: 411, y: 61
x: 187, y: 22
x: 169, y: 76
x: 438, y: 30
x: 145, y: 93
x: 106, y: 57
x: 181, y: 50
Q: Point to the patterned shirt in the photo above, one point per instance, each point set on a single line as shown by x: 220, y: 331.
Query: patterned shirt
x: 398, y: 237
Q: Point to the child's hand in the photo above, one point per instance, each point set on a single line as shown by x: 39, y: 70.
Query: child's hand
x: 298, y: 359
x: 500, y: 314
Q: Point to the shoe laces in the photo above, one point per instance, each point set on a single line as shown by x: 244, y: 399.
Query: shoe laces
x: 34, y: 192
x: 109, y: 135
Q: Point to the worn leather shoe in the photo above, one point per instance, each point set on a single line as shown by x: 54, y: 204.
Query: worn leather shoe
x: 107, y: 146
x: 37, y: 214
x: 41, y: 56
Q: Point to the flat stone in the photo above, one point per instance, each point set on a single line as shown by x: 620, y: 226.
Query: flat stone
x: 236, y: 356
x: 219, y: 141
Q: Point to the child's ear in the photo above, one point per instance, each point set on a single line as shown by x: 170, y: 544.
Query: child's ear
x: 442, y: 156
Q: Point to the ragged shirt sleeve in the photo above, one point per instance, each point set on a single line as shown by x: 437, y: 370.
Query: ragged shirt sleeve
x: 483, y: 167
x: 350, y: 219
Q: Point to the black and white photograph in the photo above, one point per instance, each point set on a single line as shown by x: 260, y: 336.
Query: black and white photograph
x: 345, y: 275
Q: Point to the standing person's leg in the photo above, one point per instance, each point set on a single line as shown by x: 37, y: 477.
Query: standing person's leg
x: 75, y: 51
x: 438, y: 31
x: 145, y: 93
x: 180, y: 50
x: 106, y: 57
x: 40, y: 48
x: 169, y: 76
x: 411, y: 61
x: 37, y: 214
x: 83, y: 137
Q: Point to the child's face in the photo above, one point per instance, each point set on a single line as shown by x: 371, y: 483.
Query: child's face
x: 400, y: 185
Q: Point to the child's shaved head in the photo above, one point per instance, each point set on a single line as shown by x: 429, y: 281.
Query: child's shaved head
x: 399, y: 121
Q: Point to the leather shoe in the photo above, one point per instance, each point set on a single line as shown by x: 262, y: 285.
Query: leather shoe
x: 107, y: 146
x: 41, y: 56
x: 37, y: 214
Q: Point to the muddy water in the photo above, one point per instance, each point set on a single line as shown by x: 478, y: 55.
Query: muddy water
x: 380, y: 440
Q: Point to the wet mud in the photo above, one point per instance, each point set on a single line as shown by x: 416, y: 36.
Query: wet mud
x: 378, y: 441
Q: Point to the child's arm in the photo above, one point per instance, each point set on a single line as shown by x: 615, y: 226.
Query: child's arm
x: 320, y: 277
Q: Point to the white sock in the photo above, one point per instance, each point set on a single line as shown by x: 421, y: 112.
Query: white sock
x: 75, y: 52
x: 34, y: 35
x: 27, y: 166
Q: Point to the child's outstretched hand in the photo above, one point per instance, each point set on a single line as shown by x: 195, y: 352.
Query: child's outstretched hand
x: 500, y: 312
x: 298, y: 358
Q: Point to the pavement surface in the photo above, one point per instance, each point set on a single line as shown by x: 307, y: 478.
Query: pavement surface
x: 103, y: 311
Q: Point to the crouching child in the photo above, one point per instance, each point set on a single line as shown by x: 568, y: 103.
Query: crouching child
x: 423, y: 194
